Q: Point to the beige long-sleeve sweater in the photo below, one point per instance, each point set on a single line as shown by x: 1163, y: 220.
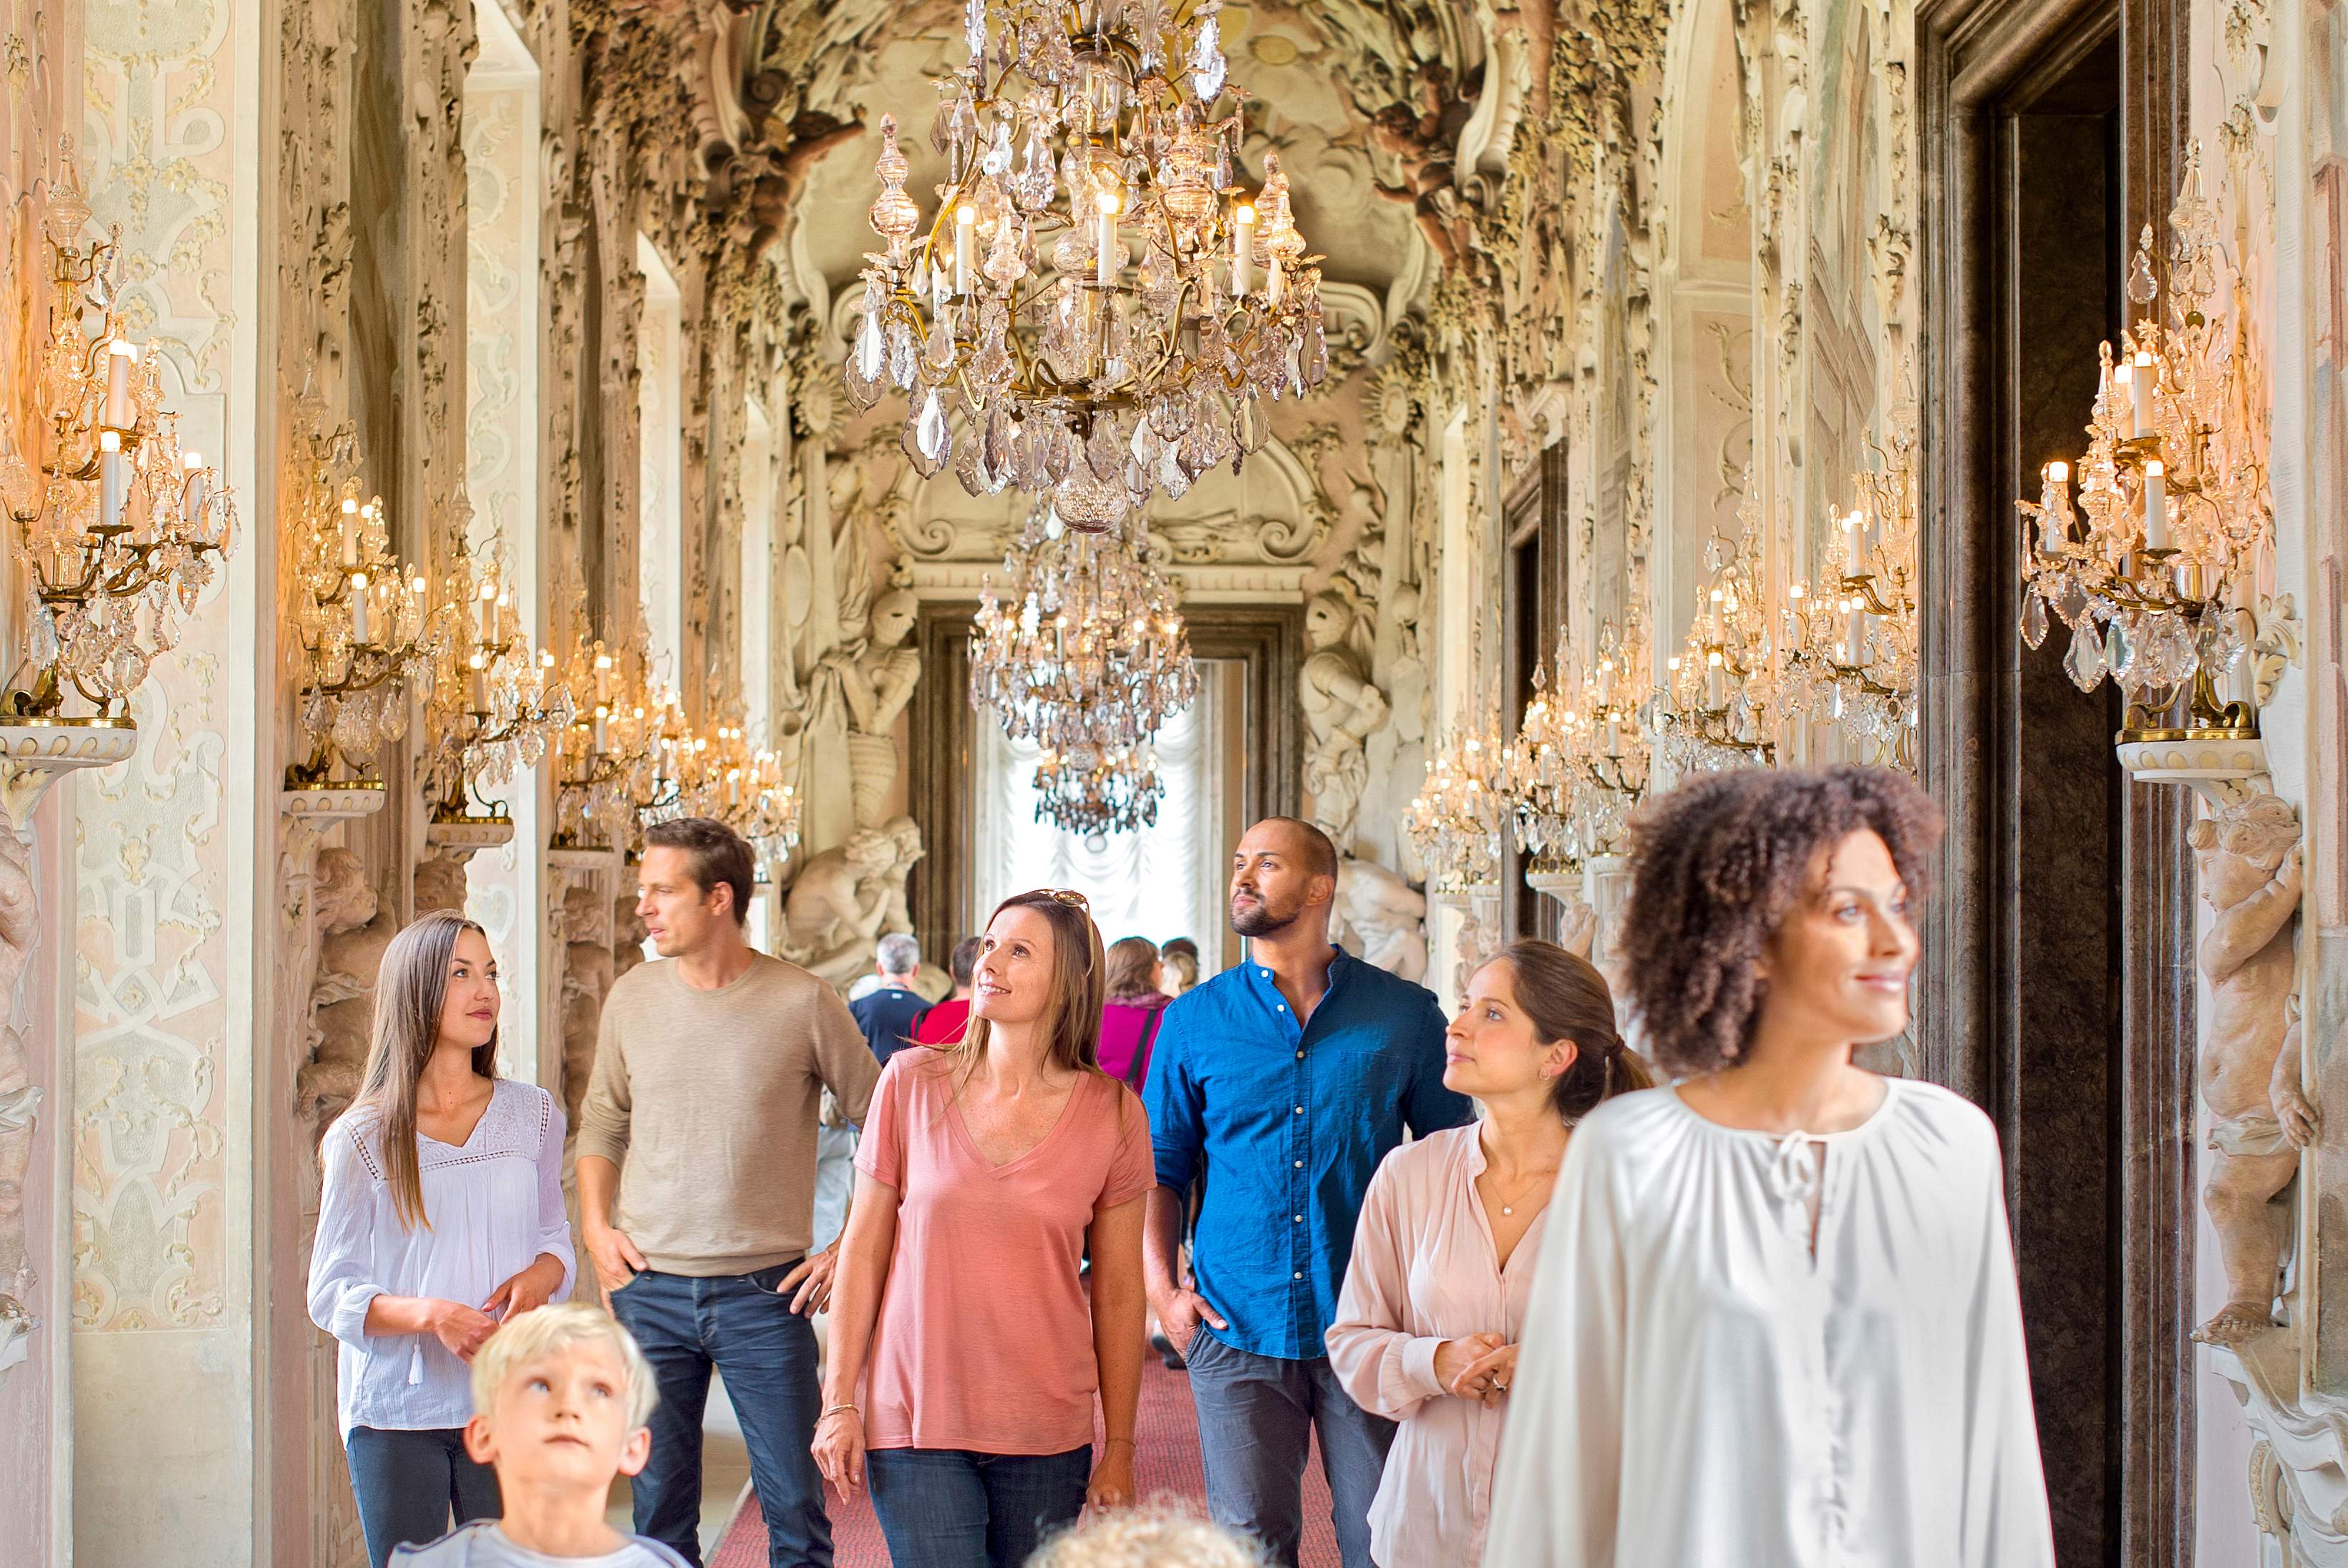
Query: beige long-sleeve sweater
x: 706, y: 1100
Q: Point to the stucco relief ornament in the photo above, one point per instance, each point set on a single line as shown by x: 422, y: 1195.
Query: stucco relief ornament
x: 1034, y: 353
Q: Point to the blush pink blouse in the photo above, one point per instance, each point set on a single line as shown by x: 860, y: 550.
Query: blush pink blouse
x: 1425, y: 1270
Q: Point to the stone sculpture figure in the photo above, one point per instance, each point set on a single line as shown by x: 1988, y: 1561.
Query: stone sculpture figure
x: 628, y: 934
x: 440, y: 882
x: 1423, y: 137
x: 1385, y: 916
x: 2247, y: 854
x: 355, y: 930
x: 840, y: 903
x: 1341, y: 710
x: 589, y: 967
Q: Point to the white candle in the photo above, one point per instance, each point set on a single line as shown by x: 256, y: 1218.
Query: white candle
x: 603, y: 719
x: 481, y: 690
x: 2156, y: 507
x: 489, y: 616
x: 120, y: 355
x: 1614, y: 738
x: 603, y: 678
x: 192, y: 498
x: 1242, y: 250
x: 350, y: 534
x: 965, y: 245
x: 1107, y: 262
x: 1272, y: 280
x: 358, y: 608
x: 2140, y: 388
x: 109, y: 479
x: 1857, y: 632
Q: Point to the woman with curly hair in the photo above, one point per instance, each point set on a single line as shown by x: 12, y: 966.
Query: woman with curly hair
x: 1775, y: 1320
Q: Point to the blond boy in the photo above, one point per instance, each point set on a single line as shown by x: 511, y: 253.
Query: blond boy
x: 561, y: 1397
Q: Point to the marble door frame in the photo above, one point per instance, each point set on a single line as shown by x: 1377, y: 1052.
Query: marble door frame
x: 1972, y: 54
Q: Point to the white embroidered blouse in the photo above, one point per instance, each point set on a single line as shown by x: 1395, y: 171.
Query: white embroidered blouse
x: 1698, y: 1385
x: 495, y: 1206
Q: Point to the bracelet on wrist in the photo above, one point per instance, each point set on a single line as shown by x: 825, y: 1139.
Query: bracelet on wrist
x: 1126, y: 1442
x: 831, y: 1411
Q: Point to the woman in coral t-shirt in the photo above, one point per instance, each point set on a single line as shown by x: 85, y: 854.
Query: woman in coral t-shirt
x: 987, y: 1167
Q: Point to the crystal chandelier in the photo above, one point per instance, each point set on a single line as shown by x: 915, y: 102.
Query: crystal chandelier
x: 1580, y: 761
x: 1851, y: 654
x: 2172, y: 503
x: 717, y: 773
x: 1086, y: 648
x: 1719, y: 706
x: 1033, y: 353
x: 1096, y: 791
x: 496, y: 704
x: 1454, y: 821
x: 369, y: 632
x: 606, y: 759
x: 121, y: 528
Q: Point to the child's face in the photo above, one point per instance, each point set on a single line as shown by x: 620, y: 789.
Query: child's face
x: 561, y: 1419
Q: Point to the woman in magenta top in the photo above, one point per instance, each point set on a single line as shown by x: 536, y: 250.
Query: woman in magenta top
x: 965, y: 1357
x: 1129, y: 1017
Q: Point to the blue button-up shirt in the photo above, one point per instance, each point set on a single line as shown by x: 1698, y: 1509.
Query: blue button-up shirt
x: 1287, y: 1125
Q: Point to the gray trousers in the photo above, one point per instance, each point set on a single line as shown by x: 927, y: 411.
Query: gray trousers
x: 1256, y: 1418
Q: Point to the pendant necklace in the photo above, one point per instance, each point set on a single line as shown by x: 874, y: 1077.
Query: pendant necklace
x: 1509, y: 1208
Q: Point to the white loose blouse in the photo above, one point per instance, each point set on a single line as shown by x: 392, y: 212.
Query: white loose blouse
x: 495, y: 1205
x: 1426, y: 1269
x: 1696, y: 1386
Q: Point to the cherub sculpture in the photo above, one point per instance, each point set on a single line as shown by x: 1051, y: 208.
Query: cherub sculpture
x: 2248, y: 854
x: 1422, y: 137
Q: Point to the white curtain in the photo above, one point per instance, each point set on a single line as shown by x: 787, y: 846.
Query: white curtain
x: 1162, y: 882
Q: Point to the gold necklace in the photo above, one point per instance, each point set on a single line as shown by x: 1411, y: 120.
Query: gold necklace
x: 1510, y: 1207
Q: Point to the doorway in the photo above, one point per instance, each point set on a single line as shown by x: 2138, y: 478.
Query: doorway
x: 2059, y: 991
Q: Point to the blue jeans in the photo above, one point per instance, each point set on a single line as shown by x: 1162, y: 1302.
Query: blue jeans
x: 766, y: 1354
x: 950, y: 1508
x: 1256, y: 1416
x: 409, y: 1483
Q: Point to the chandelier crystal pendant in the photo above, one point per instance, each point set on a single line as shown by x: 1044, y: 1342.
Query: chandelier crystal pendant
x: 1097, y: 791
x: 1580, y: 761
x: 496, y: 704
x: 370, y: 634
x: 1034, y: 350
x: 1454, y: 822
x: 119, y: 527
x: 1719, y: 706
x: 1086, y: 648
x: 1852, y: 652
x: 2172, y: 508
x: 720, y: 776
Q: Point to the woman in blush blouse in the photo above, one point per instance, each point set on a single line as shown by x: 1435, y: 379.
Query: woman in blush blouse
x: 966, y: 1355
x: 440, y: 1217
x: 1434, y: 1304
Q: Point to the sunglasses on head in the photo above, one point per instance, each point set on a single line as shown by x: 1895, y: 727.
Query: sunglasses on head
x: 1068, y: 895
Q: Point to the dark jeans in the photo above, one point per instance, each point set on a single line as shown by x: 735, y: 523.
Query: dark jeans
x: 409, y: 1484
x: 1256, y: 1415
x: 766, y: 1354
x: 950, y: 1508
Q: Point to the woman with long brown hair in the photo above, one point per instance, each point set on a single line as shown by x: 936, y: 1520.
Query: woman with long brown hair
x: 965, y: 1358
x: 1434, y: 1304
x: 440, y: 1216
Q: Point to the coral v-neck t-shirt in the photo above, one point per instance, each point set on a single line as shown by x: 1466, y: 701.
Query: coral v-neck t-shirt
x: 985, y: 1339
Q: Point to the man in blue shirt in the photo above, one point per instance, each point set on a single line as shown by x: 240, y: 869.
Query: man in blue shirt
x: 1281, y: 1084
x: 887, y: 1016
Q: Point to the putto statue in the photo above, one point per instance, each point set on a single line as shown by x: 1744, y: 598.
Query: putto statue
x: 2249, y: 858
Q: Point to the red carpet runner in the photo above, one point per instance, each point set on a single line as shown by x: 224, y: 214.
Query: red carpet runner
x: 1167, y: 1437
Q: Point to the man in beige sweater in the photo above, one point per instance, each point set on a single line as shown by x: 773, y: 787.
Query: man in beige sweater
x: 701, y: 1121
